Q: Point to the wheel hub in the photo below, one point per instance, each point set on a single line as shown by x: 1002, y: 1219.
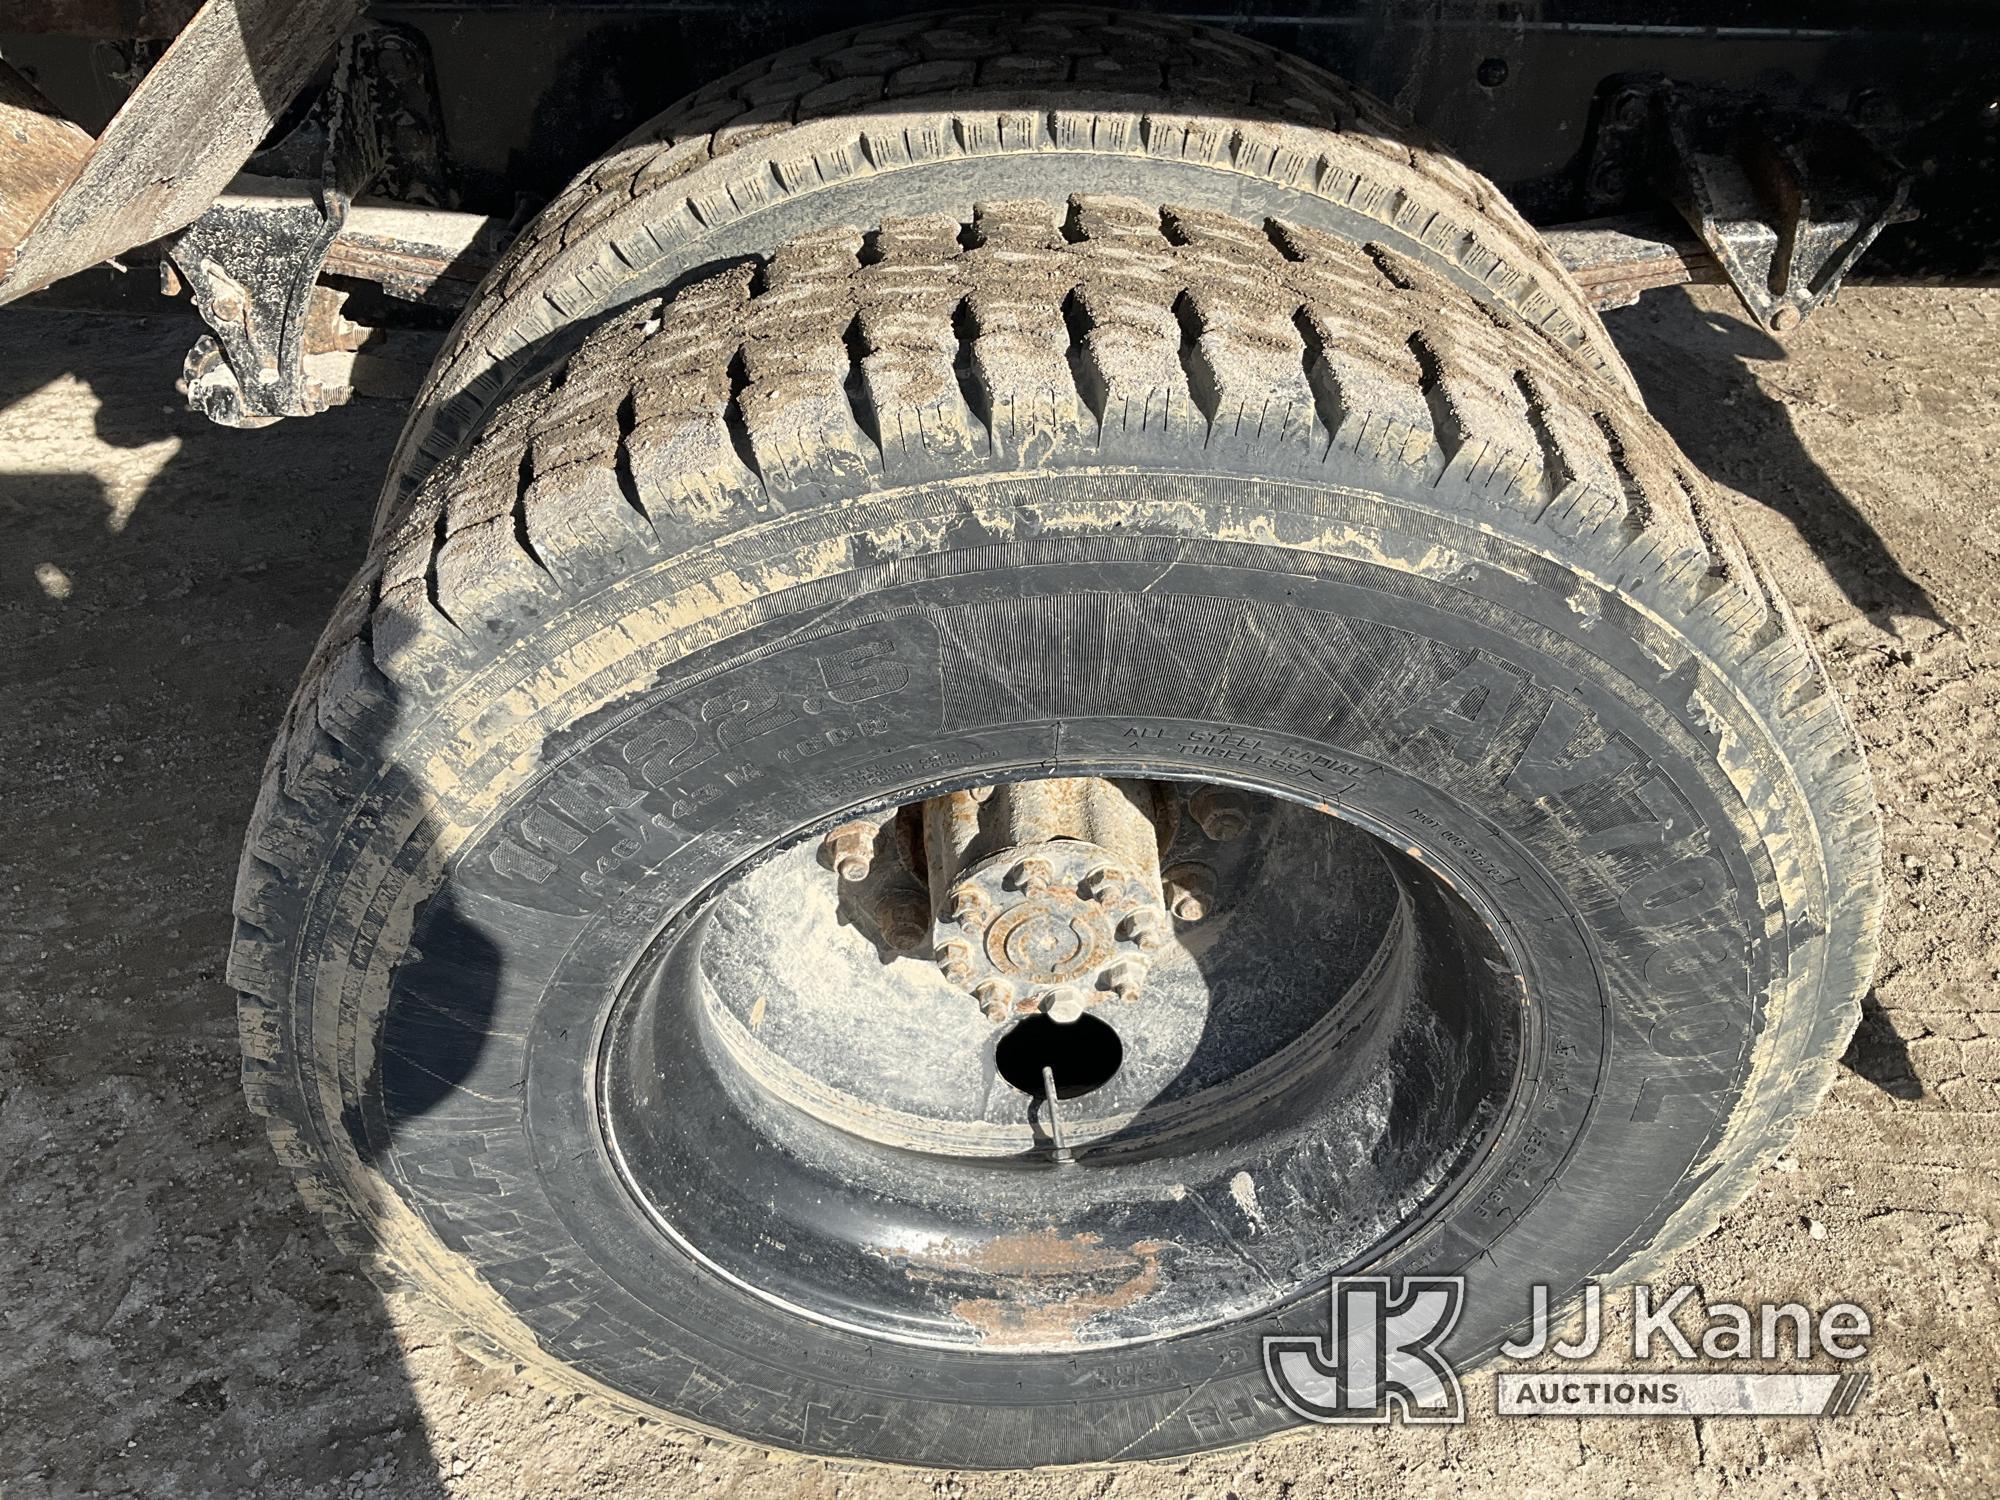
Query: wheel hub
x: 1046, y: 895
x: 1040, y: 895
x: 1051, y: 926
x: 802, y: 1093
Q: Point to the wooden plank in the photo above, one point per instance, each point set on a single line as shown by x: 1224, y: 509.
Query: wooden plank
x: 40, y: 155
x: 185, y: 132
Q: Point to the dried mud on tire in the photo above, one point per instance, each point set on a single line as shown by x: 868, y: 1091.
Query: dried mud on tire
x: 941, y: 113
x: 933, y: 356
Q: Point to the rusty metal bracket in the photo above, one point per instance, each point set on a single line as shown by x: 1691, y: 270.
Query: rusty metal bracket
x: 252, y: 262
x: 1783, y: 197
x: 252, y: 266
x: 194, y: 119
x: 1786, y: 201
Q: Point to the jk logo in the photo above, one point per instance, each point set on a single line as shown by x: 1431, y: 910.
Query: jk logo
x: 1381, y: 1356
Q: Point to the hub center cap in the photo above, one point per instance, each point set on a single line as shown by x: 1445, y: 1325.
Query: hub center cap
x: 1043, y: 944
x: 1052, y: 926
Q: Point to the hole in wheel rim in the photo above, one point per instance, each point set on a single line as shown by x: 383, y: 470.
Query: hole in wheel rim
x: 1082, y: 1056
x: 811, y: 1163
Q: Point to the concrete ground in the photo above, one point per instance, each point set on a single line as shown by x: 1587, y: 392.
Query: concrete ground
x: 173, y: 1323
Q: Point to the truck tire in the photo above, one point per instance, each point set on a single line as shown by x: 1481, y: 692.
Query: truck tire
x: 933, y: 114
x: 1123, y: 490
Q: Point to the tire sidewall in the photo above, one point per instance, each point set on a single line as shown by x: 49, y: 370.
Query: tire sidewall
x: 841, y: 683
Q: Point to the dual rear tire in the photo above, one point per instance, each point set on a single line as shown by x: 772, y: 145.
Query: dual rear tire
x: 1222, y: 477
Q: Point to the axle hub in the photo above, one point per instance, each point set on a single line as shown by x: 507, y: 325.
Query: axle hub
x: 1046, y: 895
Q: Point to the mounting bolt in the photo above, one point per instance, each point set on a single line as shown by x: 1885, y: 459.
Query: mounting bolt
x: 1609, y: 180
x: 1031, y: 875
x: 1098, y: 881
x: 995, y: 997
x: 955, y: 960
x: 1786, y: 318
x: 1631, y: 108
x: 1064, y: 1003
x: 849, y: 850
x: 1145, y: 929
x: 1125, y: 977
x: 970, y: 906
x: 1190, y: 890
x: 904, y: 917
x: 1222, y: 812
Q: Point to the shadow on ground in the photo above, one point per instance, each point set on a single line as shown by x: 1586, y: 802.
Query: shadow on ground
x: 1696, y: 367
x: 1881, y: 1056
x: 174, y: 1321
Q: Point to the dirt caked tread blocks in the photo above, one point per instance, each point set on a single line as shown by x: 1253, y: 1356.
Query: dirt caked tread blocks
x: 831, y: 129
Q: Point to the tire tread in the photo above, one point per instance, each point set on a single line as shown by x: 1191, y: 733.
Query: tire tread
x: 1148, y: 87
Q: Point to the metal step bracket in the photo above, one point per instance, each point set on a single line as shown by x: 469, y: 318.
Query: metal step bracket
x: 1785, y: 198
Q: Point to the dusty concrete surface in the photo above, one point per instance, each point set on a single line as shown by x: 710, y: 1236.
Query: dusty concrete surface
x: 172, y: 1322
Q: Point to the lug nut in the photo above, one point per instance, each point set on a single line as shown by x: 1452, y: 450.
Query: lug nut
x: 955, y: 960
x: 1190, y: 890
x: 969, y: 906
x: 903, y: 917
x: 1064, y: 1003
x: 995, y: 997
x: 1145, y: 929
x: 1125, y: 978
x: 1098, y: 882
x: 849, y: 850
x: 1030, y: 875
x: 1222, y: 812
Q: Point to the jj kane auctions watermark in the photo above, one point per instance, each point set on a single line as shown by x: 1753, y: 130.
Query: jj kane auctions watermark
x: 1382, y: 1357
